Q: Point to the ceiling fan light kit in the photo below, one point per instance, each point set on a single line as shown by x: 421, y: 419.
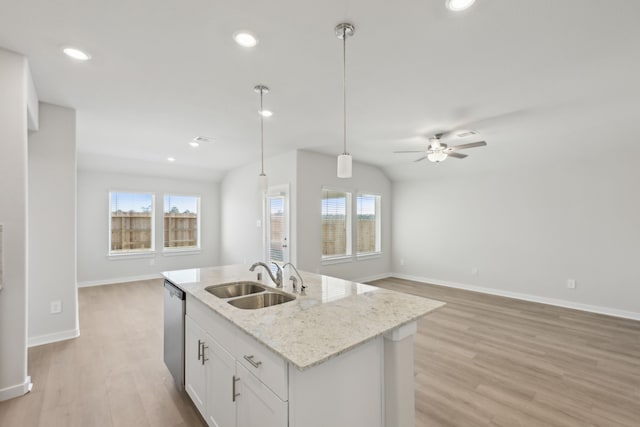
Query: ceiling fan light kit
x: 438, y: 152
x: 437, y: 157
x: 345, y: 162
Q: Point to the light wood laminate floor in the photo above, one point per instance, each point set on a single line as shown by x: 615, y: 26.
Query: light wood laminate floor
x: 480, y: 361
x: 112, y: 375
x: 484, y: 360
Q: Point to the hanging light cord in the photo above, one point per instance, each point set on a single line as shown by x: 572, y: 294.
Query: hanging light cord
x: 344, y: 84
x: 261, y: 135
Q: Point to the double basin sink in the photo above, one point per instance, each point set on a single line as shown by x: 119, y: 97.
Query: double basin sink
x: 249, y: 295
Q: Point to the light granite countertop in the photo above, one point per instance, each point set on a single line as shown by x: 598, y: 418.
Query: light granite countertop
x: 333, y: 317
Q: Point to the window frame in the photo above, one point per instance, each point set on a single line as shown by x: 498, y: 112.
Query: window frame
x: 348, y: 256
x: 139, y: 252
x: 378, y: 225
x: 183, y: 249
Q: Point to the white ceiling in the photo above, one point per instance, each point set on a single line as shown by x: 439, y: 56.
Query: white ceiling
x: 534, y: 77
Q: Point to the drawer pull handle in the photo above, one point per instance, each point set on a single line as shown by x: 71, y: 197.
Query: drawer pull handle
x: 203, y: 348
x: 233, y: 388
x: 253, y: 362
x: 199, y: 349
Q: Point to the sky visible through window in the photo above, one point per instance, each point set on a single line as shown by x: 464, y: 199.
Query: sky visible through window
x: 181, y: 203
x: 136, y: 202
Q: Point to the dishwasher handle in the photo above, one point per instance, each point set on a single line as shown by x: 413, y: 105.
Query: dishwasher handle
x: 174, y: 291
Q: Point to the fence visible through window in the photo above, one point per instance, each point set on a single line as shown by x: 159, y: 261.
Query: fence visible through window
x: 181, y: 221
x: 131, y: 225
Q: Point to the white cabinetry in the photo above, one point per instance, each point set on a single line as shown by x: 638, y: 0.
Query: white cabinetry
x: 235, y: 381
x: 195, y: 375
x: 209, y: 376
x: 257, y: 405
x: 221, y: 366
x: 218, y: 380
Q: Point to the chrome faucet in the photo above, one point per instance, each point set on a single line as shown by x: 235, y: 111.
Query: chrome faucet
x: 277, y: 279
x: 294, y: 280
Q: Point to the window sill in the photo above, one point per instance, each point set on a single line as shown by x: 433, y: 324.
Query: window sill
x: 337, y: 260
x: 368, y: 256
x: 131, y: 255
x: 179, y: 252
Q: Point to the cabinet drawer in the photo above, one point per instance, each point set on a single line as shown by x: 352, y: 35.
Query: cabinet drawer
x: 267, y: 366
x: 213, y: 324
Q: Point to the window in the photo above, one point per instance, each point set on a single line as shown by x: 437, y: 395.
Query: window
x: 277, y: 238
x: 181, y: 222
x: 131, y: 222
x: 336, y: 223
x: 368, y: 224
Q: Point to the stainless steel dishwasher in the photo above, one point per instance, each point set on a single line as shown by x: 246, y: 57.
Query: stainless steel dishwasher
x: 174, y: 311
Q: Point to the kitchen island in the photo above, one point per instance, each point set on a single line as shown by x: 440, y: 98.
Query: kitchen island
x: 339, y: 354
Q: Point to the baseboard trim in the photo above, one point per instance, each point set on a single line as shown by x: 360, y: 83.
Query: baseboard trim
x: 374, y: 277
x: 54, y: 337
x: 16, y: 390
x: 115, y: 280
x: 525, y: 297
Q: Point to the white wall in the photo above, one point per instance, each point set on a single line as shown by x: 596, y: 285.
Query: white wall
x: 94, y: 265
x: 241, y: 203
x: 52, y: 226
x: 306, y: 173
x: 13, y: 214
x: 318, y: 170
x: 528, y: 230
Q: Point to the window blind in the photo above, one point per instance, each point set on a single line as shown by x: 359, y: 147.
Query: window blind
x: 276, y: 228
x: 335, y: 223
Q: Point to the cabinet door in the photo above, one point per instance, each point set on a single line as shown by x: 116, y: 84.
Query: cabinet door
x: 221, y: 369
x: 194, y: 375
x: 257, y: 405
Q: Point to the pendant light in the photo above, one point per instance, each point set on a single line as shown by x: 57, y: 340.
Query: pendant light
x: 343, y: 31
x: 262, y: 178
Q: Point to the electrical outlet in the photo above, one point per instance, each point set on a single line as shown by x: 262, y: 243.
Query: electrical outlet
x: 402, y: 261
x: 474, y: 271
x: 152, y: 261
x: 571, y: 283
x: 55, y: 307
x: 259, y: 223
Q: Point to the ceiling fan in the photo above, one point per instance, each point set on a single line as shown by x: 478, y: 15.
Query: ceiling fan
x: 438, y: 152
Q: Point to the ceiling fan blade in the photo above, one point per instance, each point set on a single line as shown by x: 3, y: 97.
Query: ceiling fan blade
x: 457, y: 155
x: 420, y: 159
x: 411, y: 151
x: 465, y: 146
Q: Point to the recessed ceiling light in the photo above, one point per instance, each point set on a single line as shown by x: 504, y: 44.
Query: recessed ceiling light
x: 458, y: 5
x: 265, y: 113
x: 171, y: 159
x: 245, y: 38
x: 195, y: 142
x: 74, y: 53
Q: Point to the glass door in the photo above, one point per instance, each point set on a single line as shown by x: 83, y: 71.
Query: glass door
x: 277, y: 225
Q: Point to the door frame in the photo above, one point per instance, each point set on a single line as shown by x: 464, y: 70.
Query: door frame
x: 276, y: 190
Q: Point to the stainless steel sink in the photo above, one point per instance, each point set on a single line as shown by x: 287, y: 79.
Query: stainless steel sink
x: 266, y: 299
x: 235, y: 289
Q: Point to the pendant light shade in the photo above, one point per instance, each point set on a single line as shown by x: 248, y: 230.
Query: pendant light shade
x: 344, y: 166
x: 263, y: 181
x: 343, y: 31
